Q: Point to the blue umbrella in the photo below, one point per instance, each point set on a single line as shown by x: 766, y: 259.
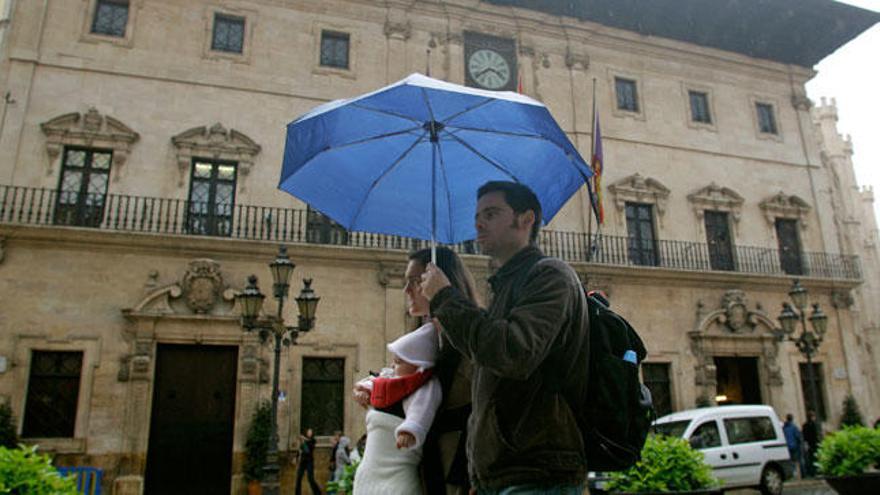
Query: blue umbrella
x: 408, y: 159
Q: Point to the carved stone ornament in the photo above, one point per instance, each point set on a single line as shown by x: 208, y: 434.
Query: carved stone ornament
x: 398, y: 30
x: 575, y: 60
x: 801, y: 102
x: 90, y: 129
x: 737, y: 316
x: 216, y: 143
x: 842, y: 299
x: 784, y: 206
x: 716, y: 198
x: 391, y: 277
x: 202, y: 284
x: 639, y: 189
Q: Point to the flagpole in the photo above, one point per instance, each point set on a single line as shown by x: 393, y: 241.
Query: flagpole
x: 590, y: 185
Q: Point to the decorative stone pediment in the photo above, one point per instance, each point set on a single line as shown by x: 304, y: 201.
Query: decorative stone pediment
x: 90, y: 129
x: 217, y: 143
x: 201, y: 291
x: 717, y: 198
x: 733, y: 329
x: 639, y: 189
x: 782, y: 205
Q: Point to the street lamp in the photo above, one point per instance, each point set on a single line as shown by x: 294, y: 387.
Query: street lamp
x: 808, y: 341
x: 251, y: 302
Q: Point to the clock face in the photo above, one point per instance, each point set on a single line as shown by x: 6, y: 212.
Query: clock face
x: 489, y: 69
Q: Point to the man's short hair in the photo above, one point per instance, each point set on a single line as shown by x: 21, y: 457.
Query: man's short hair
x: 519, y: 197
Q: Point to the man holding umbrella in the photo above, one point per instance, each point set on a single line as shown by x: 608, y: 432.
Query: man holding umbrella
x: 529, y: 352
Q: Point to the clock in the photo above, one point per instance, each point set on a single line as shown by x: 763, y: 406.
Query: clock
x: 489, y: 69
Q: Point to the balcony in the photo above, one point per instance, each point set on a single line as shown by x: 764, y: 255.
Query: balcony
x: 35, y: 206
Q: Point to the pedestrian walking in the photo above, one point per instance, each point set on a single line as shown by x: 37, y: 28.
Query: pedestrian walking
x: 306, y: 464
x: 812, y: 435
x: 795, y: 441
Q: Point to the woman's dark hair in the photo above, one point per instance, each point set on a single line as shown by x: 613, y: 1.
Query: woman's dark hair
x: 452, y: 267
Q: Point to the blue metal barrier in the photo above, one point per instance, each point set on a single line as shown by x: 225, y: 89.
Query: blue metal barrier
x: 88, y: 479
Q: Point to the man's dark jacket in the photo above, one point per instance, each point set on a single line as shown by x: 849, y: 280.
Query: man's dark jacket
x: 530, y: 356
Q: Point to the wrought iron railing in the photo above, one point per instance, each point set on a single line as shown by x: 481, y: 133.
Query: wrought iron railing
x: 35, y: 206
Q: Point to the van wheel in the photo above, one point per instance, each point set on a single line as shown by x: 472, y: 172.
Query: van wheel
x: 771, y: 481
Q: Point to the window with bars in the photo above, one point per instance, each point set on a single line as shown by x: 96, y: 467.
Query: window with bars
x: 656, y: 377
x: 211, y: 197
x: 819, y: 406
x: 228, y: 34
x: 766, y: 118
x: 323, y: 384
x: 52, y: 394
x: 627, y: 95
x: 334, y: 49
x: 111, y: 17
x: 82, y: 189
x: 641, y: 242
x: 320, y: 229
x: 700, y: 107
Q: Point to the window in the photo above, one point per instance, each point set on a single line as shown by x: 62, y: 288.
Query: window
x: 82, y: 190
x: 211, y: 197
x: 718, y: 239
x: 641, y: 245
x: 320, y: 229
x: 819, y: 408
x: 323, y: 384
x: 53, y: 394
x: 706, y: 436
x: 700, y: 107
x: 766, y: 119
x: 334, y: 49
x: 228, y: 34
x: 745, y: 430
x: 627, y: 97
x: 789, y: 246
x: 656, y: 378
x: 111, y: 17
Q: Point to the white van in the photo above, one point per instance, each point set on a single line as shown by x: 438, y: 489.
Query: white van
x: 743, y: 444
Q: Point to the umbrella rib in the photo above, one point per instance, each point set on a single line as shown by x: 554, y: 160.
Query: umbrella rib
x: 428, y: 103
x: 505, y: 133
x: 380, y: 136
x: 382, y: 176
x: 385, y: 112
x: 484, y: 157
x: 466, y: 110
x: 448, y: 194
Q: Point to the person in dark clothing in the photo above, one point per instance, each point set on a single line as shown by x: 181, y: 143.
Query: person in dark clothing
x: 812, y: 437
x: 306, y: 463
x: 795, y: 442
x: 529, y: 351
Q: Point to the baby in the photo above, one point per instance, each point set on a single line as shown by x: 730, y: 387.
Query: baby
x: 402, y: 403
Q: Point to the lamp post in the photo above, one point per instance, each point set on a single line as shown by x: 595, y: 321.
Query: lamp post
x: 251, y: 302
x: 809, y: 340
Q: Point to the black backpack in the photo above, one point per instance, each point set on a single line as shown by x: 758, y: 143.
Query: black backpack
x: 618, y: 410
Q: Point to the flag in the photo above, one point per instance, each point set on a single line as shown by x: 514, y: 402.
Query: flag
x: 597, y: 164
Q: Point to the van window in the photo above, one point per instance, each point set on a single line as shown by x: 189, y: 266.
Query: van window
x: 706, y: 436
x: 745, y: 430
x: 671, y: 429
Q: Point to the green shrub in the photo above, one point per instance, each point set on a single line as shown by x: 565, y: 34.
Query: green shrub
x: 851, y: 415
x: 668, y: 464
x: 850, y: 451
x: 23, y: 470
x: 8, y: 438
x: 345, y: 484
x: 257, y: 442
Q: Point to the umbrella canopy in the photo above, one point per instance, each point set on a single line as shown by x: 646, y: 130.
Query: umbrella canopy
x: 408, y: 159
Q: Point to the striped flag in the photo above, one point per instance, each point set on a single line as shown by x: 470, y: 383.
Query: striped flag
x: 597, y: 163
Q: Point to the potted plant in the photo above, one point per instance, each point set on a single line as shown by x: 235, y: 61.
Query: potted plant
x: 345, y: 484
x: 23, y: 470
x: 849, y: 460
x: 668, y: 465
x: 256, y: 446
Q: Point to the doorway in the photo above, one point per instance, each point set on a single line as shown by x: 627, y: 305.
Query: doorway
x: 191, y: 425
x: 738, y: 381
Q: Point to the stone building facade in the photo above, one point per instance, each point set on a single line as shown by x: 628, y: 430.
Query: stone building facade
x: 140, y: 148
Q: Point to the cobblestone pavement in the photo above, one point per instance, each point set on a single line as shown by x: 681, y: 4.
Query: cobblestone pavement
x: 799, y: 487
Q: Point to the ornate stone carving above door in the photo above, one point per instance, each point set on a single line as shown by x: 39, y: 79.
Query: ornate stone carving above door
x: 733, y: 329
x: 215, y: 142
